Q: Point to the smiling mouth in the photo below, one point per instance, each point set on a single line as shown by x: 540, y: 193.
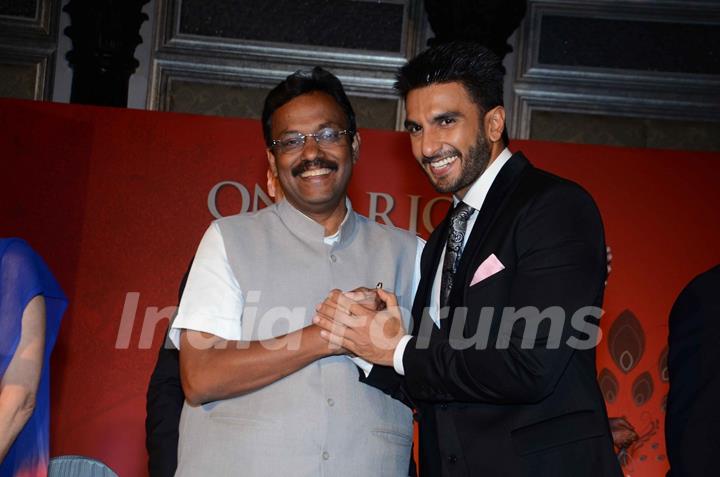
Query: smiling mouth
x: 314, y: 168
x: 315, y: 172
x: 441, y: 163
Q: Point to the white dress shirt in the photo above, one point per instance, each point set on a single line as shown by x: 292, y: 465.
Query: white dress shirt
x: 213, y: 301
x: 475, y: 197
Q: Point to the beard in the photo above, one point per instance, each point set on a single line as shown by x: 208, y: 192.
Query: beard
x: 473, y: 165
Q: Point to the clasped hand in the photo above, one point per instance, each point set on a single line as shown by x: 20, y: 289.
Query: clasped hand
x: 366, y: 322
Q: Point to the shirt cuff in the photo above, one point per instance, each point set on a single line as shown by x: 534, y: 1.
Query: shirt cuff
x: 362, y: 364
x: 398, y: 355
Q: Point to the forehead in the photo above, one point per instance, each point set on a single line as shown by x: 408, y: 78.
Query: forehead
x: 423, y: 104
x: 307, y: 112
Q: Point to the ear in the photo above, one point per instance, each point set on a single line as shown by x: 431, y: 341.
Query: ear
x: 355, y: 146
x: 495, y: 124
x: 270, y: 183
x: 271, y: 162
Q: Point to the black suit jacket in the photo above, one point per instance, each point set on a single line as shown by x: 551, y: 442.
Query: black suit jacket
x: 489, y: 409
x: 165, y: 398
x: 693, y: 416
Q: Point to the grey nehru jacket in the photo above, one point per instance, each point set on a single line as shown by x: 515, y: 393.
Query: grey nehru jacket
x: 319, y: 421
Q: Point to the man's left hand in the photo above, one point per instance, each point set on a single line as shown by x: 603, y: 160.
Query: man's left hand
x: 365, y: 332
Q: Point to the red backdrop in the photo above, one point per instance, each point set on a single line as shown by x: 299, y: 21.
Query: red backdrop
x: 117, y: 200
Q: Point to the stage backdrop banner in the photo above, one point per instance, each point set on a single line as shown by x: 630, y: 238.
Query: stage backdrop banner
x: 117, y: 200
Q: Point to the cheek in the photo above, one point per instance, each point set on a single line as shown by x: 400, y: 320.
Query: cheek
x: 416, y: 145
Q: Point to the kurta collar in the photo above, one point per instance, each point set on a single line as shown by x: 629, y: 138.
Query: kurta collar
x: 306, y: 228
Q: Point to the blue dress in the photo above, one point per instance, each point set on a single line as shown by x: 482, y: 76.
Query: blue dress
x: 23, y: 276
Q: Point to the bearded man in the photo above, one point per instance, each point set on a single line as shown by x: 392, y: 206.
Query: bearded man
x: 500, y: 361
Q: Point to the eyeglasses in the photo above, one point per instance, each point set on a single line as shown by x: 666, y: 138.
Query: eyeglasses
x: 296, y: 141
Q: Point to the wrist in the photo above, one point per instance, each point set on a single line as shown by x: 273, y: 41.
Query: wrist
x: 321, y: 347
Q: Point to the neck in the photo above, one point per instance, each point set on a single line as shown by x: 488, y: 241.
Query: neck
x: 495, y: 151
x: 329, y: 219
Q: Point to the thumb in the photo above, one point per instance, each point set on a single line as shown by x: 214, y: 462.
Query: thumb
x: 388, y: 297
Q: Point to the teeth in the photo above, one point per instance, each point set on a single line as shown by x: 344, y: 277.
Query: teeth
x: 315, y: 172
x: 443, y: 162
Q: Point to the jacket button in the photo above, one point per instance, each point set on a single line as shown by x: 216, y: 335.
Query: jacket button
x: 333, y: 258
x: 452, y: 458
x: 330, y: 402
x: 325, y: 455
x: 443, y: 406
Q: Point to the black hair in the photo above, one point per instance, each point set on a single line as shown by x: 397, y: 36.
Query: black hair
x: 474, y: 66
x: 302, y: 82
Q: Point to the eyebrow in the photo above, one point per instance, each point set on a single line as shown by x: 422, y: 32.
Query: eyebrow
x: 436, y: 119
x: 447, y: 115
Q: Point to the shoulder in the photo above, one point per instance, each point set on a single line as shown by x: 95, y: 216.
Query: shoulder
x: 18, y: 252
x: 550, y: 190
x: 390, y: 232
x: 247, y: 217
x: 700, y: 292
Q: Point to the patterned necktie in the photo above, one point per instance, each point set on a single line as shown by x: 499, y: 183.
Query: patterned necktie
x: 453, y: 248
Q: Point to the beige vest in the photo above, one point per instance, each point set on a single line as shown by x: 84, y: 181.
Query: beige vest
x: 319, y: 421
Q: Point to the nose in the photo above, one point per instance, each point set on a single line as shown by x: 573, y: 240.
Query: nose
x: 311, y: 149
x: 430, y: 143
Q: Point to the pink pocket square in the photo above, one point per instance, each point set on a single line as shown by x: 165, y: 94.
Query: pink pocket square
x: 488, y: 268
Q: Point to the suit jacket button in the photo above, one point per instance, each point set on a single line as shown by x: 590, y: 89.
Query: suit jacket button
x: 452, y: 458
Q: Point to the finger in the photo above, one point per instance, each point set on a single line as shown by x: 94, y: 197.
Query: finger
x: 387, y: 297
x: 348, y: 307
x: 355, y: 295
x: 333, y: 295
x: 336, y: 314
x: 344, y: 302
x: 360, y: 291
x: 329, y: 325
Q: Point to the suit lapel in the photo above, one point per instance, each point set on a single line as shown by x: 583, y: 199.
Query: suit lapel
x: 503, y: 184
x: 501, y: 188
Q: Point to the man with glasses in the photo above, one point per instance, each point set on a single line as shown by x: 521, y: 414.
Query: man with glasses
x: 265, y: 394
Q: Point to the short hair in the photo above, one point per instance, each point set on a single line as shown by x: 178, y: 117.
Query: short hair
x: 471, y: 64
x: 303, y: 82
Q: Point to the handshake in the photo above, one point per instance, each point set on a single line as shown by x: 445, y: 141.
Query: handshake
x: 366, y: 322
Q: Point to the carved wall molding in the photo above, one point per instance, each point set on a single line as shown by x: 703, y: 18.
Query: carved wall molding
x: 31, y: 40
x: 181, y: 56
x: 41, y: 26
x: 588, y: 87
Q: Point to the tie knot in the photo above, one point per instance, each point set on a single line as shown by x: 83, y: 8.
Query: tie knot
x: 461, y: 212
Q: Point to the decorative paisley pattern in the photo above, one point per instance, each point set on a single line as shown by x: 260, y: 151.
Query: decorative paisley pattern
x: 608, y: 385
x: 626, y: 341
x: 453, y: 248
x: 628, y: 377
x: 642, y: 388
x: 663, y: 366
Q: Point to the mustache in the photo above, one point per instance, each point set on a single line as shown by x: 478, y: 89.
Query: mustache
x: 441, y: 155
x: 317, y: 163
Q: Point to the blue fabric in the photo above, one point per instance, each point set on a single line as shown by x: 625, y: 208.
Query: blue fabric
x: 23, y: 276
x: 78, y: 466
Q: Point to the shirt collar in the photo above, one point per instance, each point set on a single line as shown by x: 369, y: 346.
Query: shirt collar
x: 337, y: 236
x: 475, y: 196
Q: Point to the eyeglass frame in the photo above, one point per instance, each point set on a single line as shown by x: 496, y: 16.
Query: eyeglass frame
x: 303, y: 137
